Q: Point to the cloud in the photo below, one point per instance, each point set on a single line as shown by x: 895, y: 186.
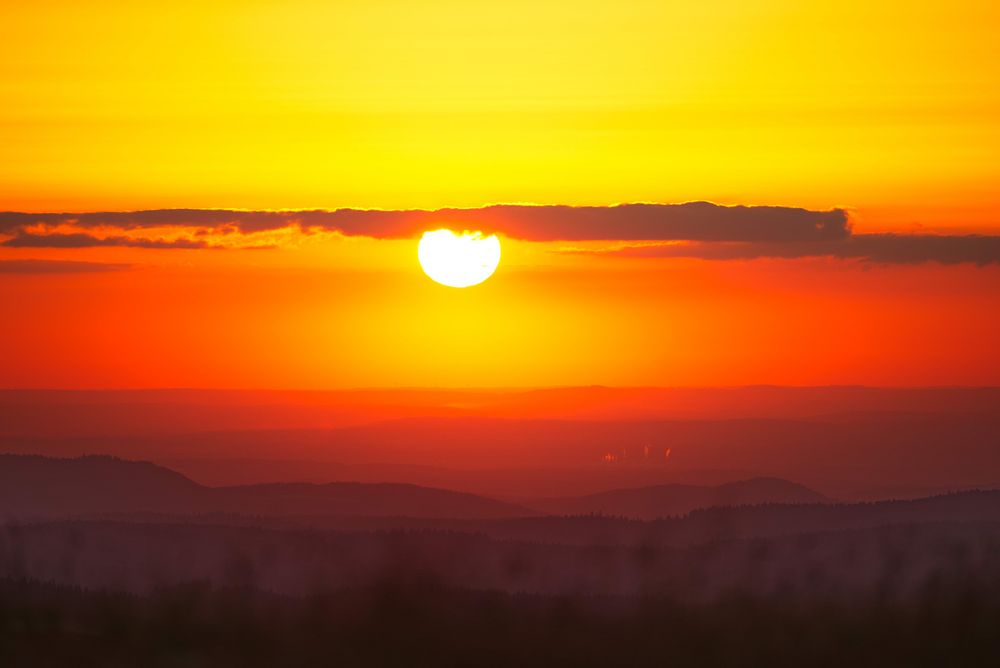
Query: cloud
x: 702, y: 221
x: 80, y: 240
x: 913, y: 248
x: 58, y: 267
x: 695, y: 229
x: 876, y: 248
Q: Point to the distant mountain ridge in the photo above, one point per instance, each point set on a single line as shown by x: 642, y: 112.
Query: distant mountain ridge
x: 73, y: 414
x: 850, y: 443
x: 35, y: 486
x: 648, y: 503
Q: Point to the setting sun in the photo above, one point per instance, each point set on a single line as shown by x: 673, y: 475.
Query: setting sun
x: 458, y: 261
x: 733, y: 397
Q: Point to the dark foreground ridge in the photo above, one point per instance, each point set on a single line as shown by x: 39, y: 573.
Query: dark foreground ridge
x: 906, y: 582
x: 421, y: 623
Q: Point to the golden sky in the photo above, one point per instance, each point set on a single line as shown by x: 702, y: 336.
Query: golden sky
x: 888, y: 107
x: 887, y: 110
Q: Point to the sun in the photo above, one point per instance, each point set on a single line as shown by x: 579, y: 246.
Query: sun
x: 458, y: 260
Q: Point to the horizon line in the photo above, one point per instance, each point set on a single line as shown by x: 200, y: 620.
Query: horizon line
x: 503, y: 388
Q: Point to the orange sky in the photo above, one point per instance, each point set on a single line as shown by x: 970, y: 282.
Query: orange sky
x: 887, y: 109
x: 276, y: 319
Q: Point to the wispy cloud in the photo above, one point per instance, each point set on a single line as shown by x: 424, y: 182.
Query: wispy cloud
x: 58, y: 267
x: 875, y: 248
x: 82, y: 240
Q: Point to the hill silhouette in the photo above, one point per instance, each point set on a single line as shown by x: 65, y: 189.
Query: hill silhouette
x: 657, y: 501
x: 129, y: 560
x: 859, y: 456
x: 34, y: 486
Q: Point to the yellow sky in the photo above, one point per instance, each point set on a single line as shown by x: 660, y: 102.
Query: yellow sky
x: 888, y: 107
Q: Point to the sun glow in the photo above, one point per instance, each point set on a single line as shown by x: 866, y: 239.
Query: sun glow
x: 458, y: 260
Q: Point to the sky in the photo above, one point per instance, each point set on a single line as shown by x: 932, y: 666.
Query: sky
x: 849, y: 152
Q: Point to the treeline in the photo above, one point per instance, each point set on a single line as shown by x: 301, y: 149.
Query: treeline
x: 892, y: 562
x: 420, y: 622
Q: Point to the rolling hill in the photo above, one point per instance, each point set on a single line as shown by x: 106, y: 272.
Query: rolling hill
x: 656, y: 501
x: 34, y: 486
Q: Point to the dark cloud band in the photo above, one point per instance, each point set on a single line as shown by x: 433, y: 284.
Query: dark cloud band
x: 701, y: 221
x: 876, y: 248
x: 705, y: 230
